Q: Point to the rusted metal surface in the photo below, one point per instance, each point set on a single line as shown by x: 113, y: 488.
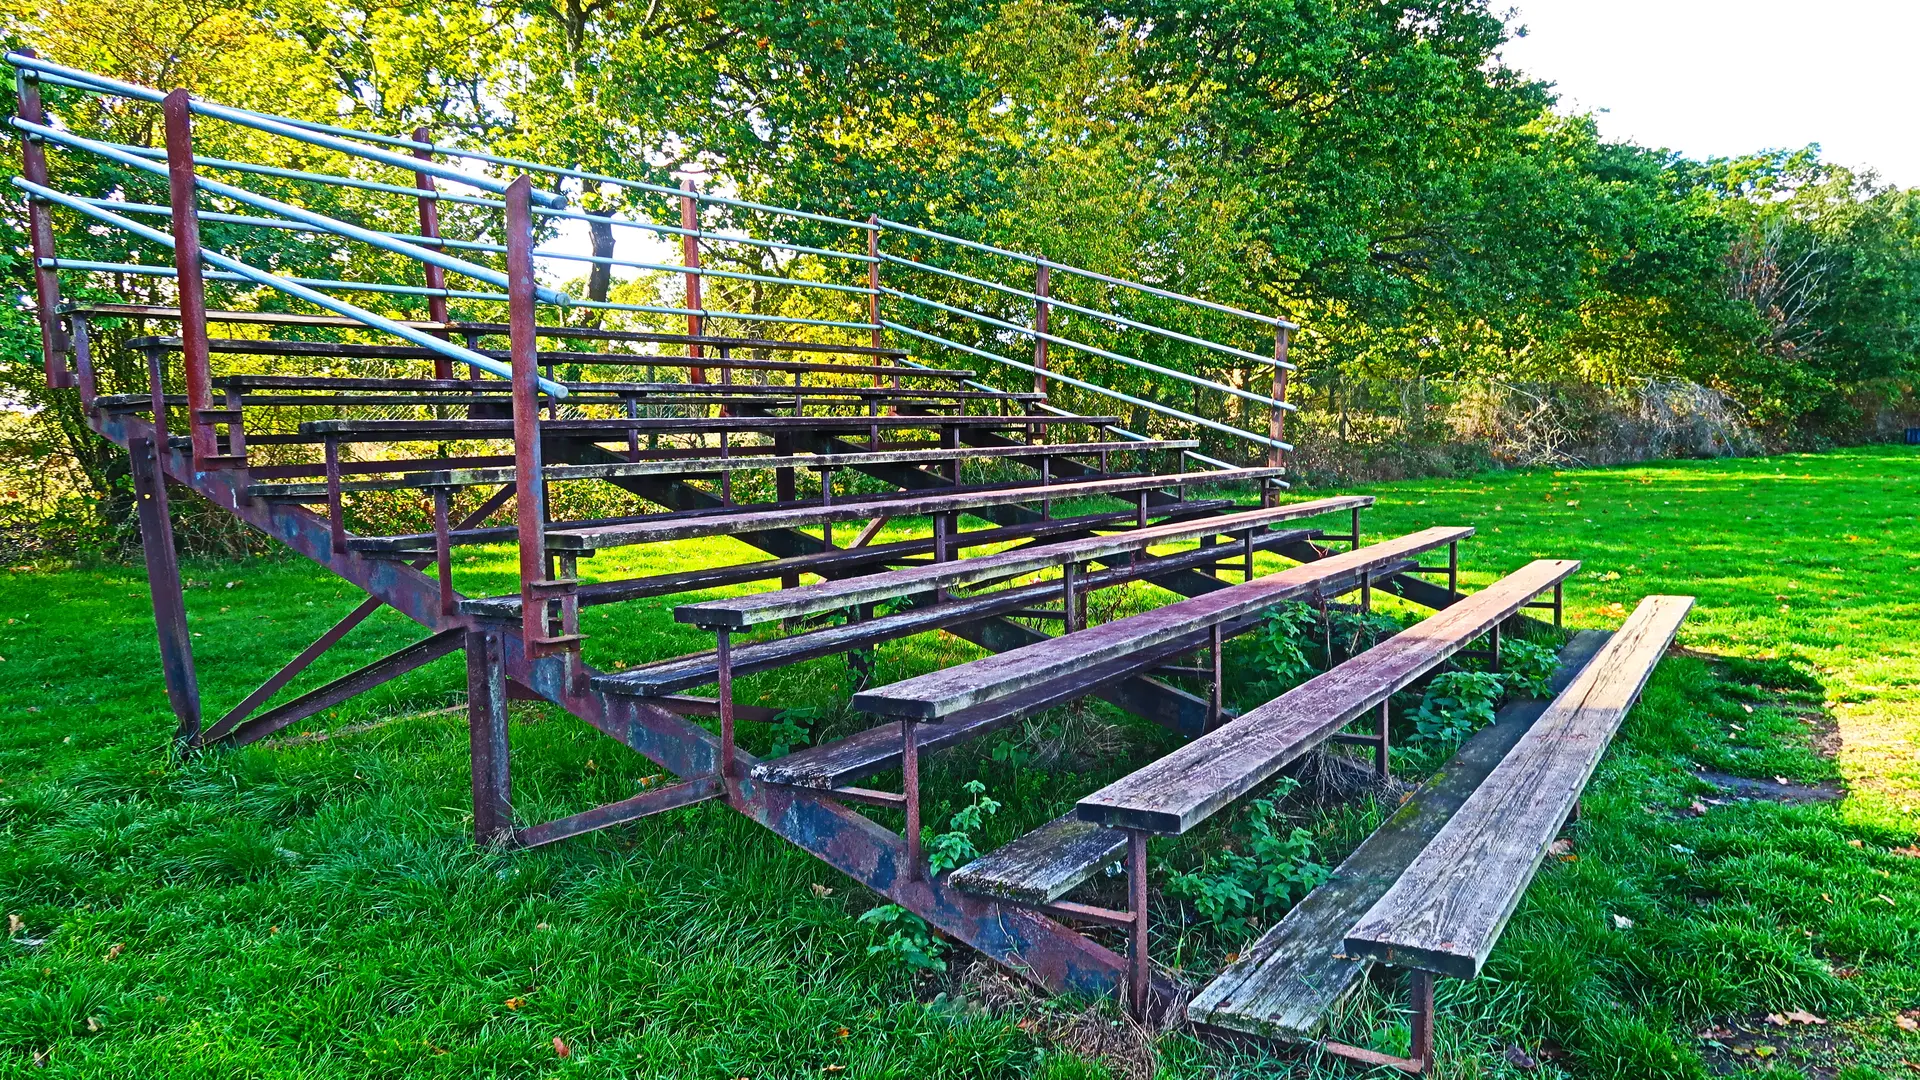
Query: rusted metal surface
x: 348, y: 686
x: 436, y: 278
x: 163, y: 585
x: 646, y: 804
x: 182, y: 186
x: 46, y: 282
x: 489, y: 748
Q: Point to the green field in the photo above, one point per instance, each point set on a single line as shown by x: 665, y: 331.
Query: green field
x: 312, y: 906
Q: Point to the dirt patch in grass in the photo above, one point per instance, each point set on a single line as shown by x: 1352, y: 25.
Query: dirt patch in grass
x: 1775, y: 790
x: 1739, y: 1044
x: 1095, y: 1030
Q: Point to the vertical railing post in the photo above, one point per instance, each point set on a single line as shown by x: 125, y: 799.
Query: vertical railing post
x: 690, y: 258
x: 46, y: 280
x: 1041, y: 310
x: 531, y: 495
x: 1277, y: 414
x: 1139, y: 969
x: 194, y: 354
x: 144, y: 456
x: 430, y: 227
x: 873, y: 284
x: 487, y: 738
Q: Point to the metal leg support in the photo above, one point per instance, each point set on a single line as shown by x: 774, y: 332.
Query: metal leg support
x: 487, y: 732
x: 163, y: 583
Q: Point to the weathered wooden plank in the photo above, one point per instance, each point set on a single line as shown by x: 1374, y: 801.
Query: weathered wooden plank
x: 1285, y: 984
x: 588, y: 333
x: 931, y: 696
x: 607, y: 536
x: 1445, y: 913
x: 877, y: 749
x: 1043, y: 865
x: 404, y: 430
x: 1187, y: 786
x: 714, y: 464
x: 740, y: 611
x: 698, y: 669
x: 826, y: 563
x: 706, y: 465
x: 412, y: 543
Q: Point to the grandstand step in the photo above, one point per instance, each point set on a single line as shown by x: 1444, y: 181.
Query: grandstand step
x: 911, y: 504
x: 877, y: 749
x: 829, y: 596
x: 1285, y: 984
x: 1181, y: 790
x: 937, y: 694
x: 821, y: 563
x: 1043, y: 865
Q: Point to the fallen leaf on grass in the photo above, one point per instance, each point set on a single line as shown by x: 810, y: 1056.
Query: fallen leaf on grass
x: 1855, y: 843
x: 40, y: 1058
x: 1908, y: 1021
x: 835, y: 1068
x: 560, y: 1047
x: 1621, y: 922
x: 821, y: 891
x: 13, y: 924
x: 116, y: 950
x: 1911, y: 851
x: 1797, y: 1016
x: 1520, y: 1059
x: 514, y: 1002
x: 1764, y: 1051
x: 842, y: 1033
x: 1827, y: 898
x: 1560, y: 848
x: 93, y: 1023
x: 1888, y: 899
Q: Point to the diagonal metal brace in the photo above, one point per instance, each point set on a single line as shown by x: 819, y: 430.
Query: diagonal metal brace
x: 380, y: 671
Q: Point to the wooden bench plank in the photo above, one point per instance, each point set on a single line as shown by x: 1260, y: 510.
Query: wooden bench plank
x: 828, y: 563
x: 1187, y: 786
x: 742, y: 611
x: 709, y: 465
x: 1445, y: 913
x: 860, y: 506
x: 405, y: 430
x: 589, y: 333
x: 1043, y: 865
x: 939, y: 693
x: 909, y: 505
x: 698, y: 669
x: 1285, y: 984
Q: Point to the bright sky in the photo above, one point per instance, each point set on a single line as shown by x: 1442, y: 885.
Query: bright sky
x: 1715, y: 78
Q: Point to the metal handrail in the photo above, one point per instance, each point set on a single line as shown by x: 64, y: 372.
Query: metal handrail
x: 432, y: 250
x: 261, y: 277
x: 1036, y: 260
x: 1165, y: 410
x: 1055, y: 339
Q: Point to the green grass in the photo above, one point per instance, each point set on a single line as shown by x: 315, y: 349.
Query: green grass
x: 313, y: 907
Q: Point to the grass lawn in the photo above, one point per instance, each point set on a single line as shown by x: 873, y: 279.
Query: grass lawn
x: 312, y: 906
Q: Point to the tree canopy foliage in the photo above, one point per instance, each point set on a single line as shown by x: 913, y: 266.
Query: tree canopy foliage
x: 1370, y: 168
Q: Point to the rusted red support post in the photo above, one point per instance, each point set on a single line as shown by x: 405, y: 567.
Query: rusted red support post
x: 1041, y: 310
x: 1139, y: 969
x: 690, y: 258
x: 529, y: 468
x: 1381, y: 767
x: 436, y: 277
x: 195, y: 357
x: 163, y: 583
x: 487, y: 735
x: 910, y: 789
x: 46, y: 281
x: 83, y: 361
x: 1420, y: 991
x: 443, y: 548
x: 723, y: 658
x: 873, y: 289
x: 1277, y: 412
